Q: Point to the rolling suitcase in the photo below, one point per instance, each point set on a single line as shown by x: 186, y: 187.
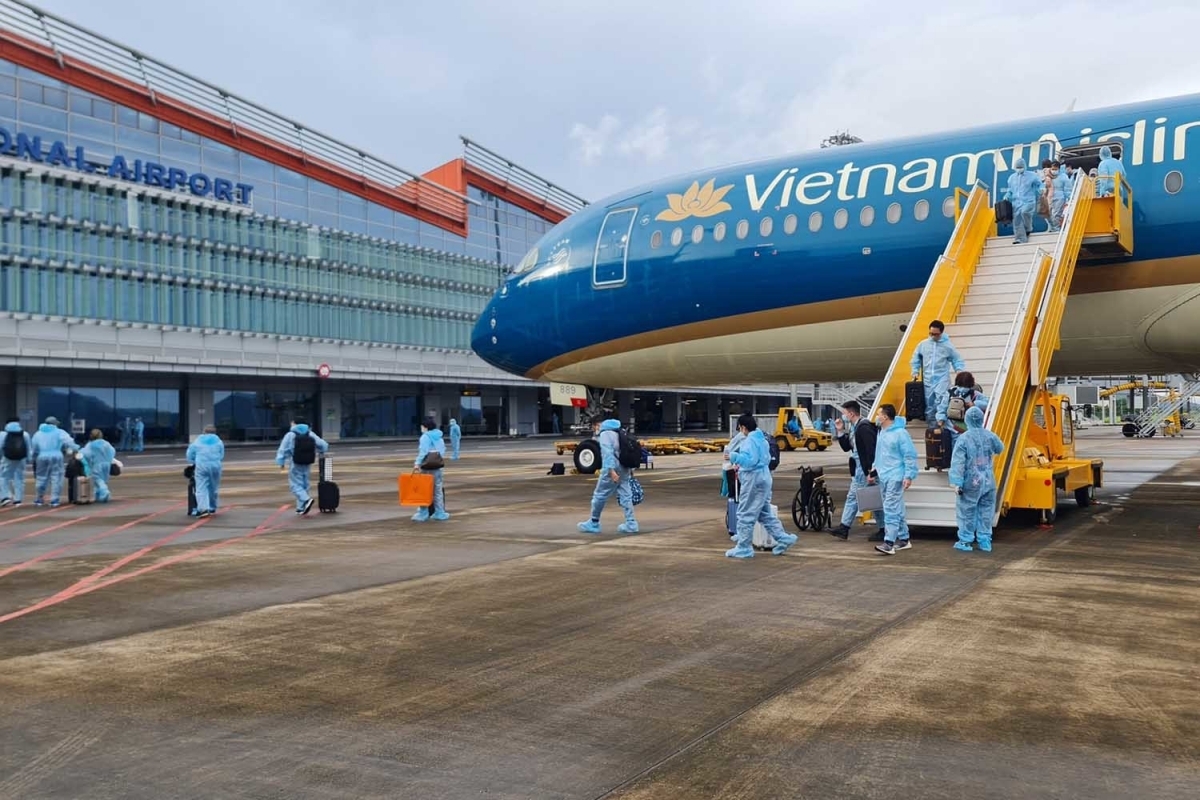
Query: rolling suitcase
x: 939, y: 447
x: 914, y: 400
x: 329, y: 496
x: 189, y: 472
x: 731, y: 505
x: 85, y: 493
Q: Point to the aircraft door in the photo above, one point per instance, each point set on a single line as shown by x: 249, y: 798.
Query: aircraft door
x: 612, y: 248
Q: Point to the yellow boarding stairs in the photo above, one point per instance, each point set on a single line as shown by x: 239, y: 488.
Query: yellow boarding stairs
x: 1003, y: 305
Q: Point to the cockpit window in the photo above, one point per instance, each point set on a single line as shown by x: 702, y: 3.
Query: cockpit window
x: 528, y: 262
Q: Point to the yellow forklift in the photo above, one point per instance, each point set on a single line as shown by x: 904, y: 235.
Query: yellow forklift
x: 794, y: 430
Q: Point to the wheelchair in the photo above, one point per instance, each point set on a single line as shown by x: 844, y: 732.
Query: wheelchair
x: 812, y: 507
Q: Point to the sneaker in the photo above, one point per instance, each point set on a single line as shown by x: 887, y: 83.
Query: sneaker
x: 841, y: 532
x: 627, y: 527
x: 6, y: 501
x: 904, y: 544
x: 308, y: 506
x: 54, y: 504
x: 740, y: 552
x: 16, y: 504
x: 782, y: 544
x: 38, y: 503
x: 588, y: 526
x: 877, y: 536
x: 887, y: 548
x: 203, y: 514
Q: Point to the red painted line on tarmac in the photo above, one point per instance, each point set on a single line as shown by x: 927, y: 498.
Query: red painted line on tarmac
x: 95, y: 538
x: 24, y: 517
x: 61, y: 597
x: 120, y: 562
x: 59, y: 526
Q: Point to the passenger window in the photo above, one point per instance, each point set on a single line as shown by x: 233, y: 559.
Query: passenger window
x: 921, y: 210
x: 743, y: 229
x: 765, y: 226
x: 948, y: 207
x: 893, y: 213
x: 719, y: 231
x: 1173, y: 183
x: 656, y: 240
x: 840, y: 218
x: 697, y: 234
x: 814, y: 221
x: 677, y: 237
x: 789, y: 224
x: 867, y: 216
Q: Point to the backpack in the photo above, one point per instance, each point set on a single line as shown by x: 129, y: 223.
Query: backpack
x: 14, y: 447
x: 629, y: 452
x: 773, y: 446
x: 304, y: 450
x: 957, y: 409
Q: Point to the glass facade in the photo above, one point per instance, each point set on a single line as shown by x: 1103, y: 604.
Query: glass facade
x: 304, y: 259
x: 366, y: 414
x: 243, y: 416
x: 105, y: 407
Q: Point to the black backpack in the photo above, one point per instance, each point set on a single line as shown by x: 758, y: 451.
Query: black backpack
x: 629, y: 452
x: 773, y: 446
x: 14, y: 447
x: 304, y: 450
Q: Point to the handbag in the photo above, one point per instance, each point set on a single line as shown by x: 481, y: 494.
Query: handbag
x: 869, y: 497
x: 639, y: 494
x: 433, y: 461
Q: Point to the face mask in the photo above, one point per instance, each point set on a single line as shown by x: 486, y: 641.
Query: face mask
x: 1020, y: 170
x: 881, y: 421
x: 845, y: 420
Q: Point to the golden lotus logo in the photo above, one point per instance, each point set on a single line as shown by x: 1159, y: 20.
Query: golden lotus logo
x: 697, y: 201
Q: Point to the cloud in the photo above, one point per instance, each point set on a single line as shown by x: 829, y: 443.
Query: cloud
x: 649, y: 139
x: 593, y: 141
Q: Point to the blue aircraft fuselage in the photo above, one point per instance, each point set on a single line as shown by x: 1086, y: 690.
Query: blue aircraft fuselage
x: 712, y: 253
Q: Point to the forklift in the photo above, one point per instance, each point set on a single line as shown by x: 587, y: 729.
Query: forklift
x: 794, y: 430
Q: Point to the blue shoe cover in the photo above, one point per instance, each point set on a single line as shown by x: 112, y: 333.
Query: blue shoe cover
x: 966, y: 548
x: 627, y: 527
x: 985, y: 544
x: 740, y: 551
x: 782, y: 545
x: 421, y: 515
x: 441, y: 516
x: 589, y: 527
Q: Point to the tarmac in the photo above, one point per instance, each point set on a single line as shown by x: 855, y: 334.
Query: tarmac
x: 502, y: 654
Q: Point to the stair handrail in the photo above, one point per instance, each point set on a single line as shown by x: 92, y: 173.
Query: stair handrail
x: 967, y: 229
x: 1047, y: 338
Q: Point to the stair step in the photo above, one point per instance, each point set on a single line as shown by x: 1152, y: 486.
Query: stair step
x: 1011, y: 289
x: 960, y: 329
x: 1017, y: 277
x: 980, y: 318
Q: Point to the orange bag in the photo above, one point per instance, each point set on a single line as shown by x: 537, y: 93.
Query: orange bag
x: 416, y: 489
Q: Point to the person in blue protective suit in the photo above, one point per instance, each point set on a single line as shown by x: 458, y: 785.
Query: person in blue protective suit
x: 125, y: 429
x: 301, y: 446
x: 895, y: 469
x: 98, y: 455
x: 207, y: 454
x: 16, y: 451
x: 47, y: 447
x: 1023, y: 190
x: 1109, y: 166
x: 1063, y: 186
x: 972, y: 476
x: 455, y: 438
x: 972, y: 396
x: 751, y: 460
x: 932, y: 361
x: 793, y: 426
x: 139, y: 435
x: 614, y: 479
x: 857, y: 436
x: 432, y: 442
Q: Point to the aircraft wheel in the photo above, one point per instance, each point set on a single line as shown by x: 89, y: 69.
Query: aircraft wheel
x: 587, y: 457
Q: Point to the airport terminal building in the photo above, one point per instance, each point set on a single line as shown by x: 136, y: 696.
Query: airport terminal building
x: 175, y: 253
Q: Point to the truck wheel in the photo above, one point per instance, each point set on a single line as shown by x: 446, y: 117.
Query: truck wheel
x: 782, y: 443
x: 1049, y: 515
x: 811, y: 445
x: 587, y: 457
x: 822, y: 447
x: 1083, y: 496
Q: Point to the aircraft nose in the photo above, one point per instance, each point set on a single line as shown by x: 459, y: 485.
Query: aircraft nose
x: 502, y: 346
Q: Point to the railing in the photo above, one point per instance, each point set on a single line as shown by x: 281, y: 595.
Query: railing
x: 1047, y: 338
x: 78, y: 47
x: 1156, y: 414
x: 944, y: 291
x: 516, y: 176
x: 1123, y: 212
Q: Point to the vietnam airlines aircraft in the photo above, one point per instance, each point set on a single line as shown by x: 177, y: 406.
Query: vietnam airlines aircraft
x: 807, y: 267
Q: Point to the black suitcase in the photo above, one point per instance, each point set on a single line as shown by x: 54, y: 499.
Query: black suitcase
x: 1004, y: 212
x: 914, y: 400
x: 939, y: 447
x: 189, y: 472
x: 329, y: 496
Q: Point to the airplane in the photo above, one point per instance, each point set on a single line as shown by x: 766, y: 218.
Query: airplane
x: 807, y: 268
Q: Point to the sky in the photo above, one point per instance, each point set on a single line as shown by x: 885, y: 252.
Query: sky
x: 598, y: 97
